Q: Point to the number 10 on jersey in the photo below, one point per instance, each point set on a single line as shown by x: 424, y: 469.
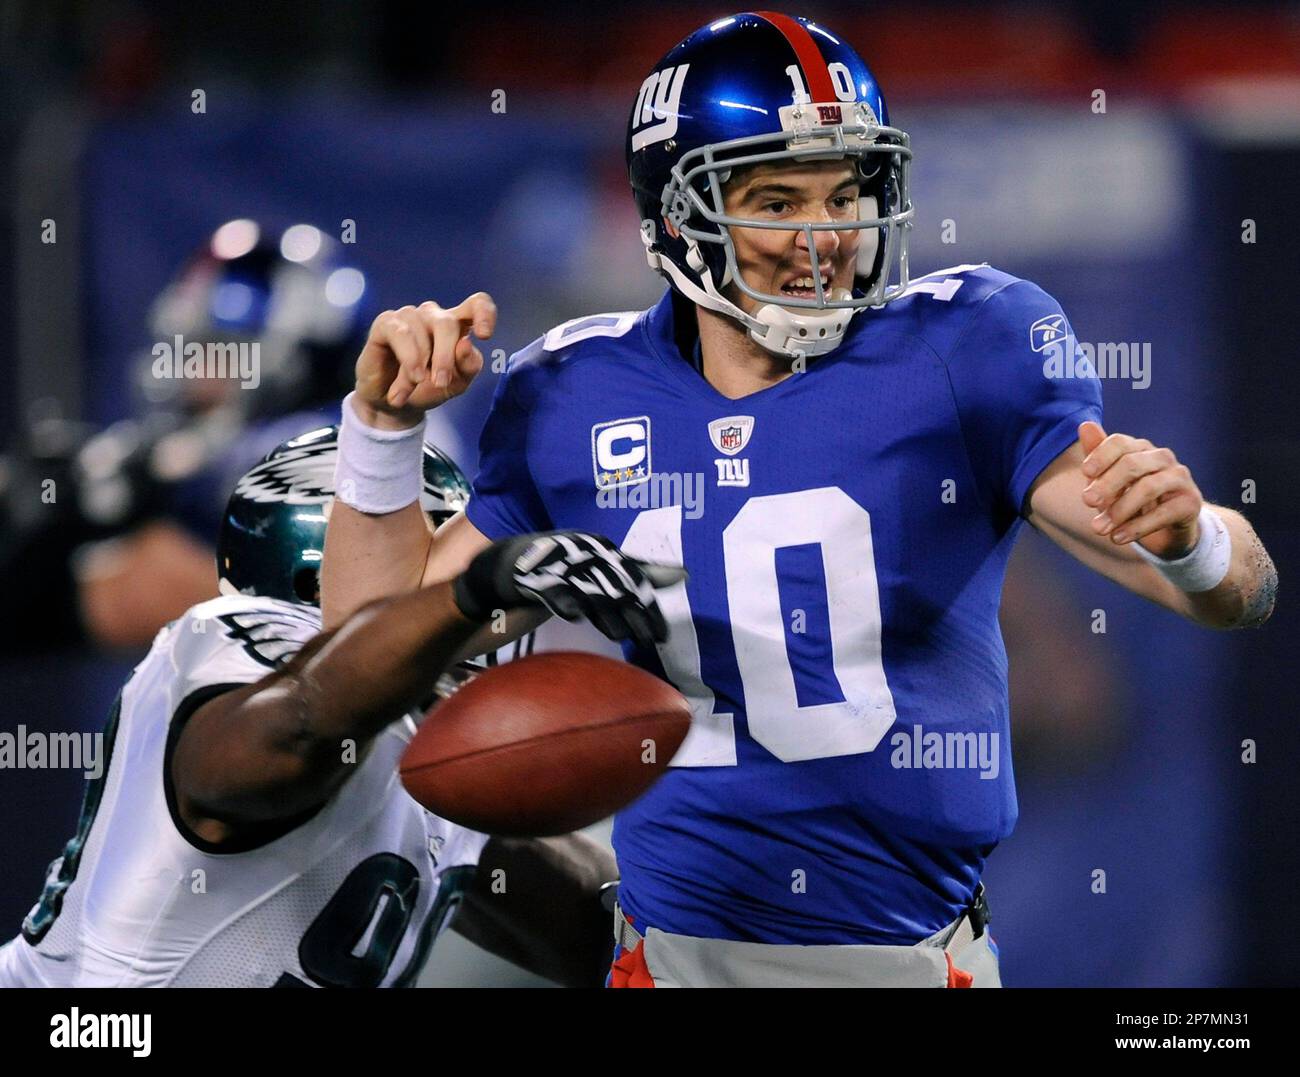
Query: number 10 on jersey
x: 829, y: 519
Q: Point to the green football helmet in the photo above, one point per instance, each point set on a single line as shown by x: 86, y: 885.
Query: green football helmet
x: 273, y: 531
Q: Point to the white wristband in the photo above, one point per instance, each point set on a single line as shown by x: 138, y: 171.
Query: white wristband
x: 378, y: 471
x: 1205, y: 566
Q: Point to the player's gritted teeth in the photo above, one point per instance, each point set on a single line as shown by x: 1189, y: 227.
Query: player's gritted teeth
x: 802, y: 286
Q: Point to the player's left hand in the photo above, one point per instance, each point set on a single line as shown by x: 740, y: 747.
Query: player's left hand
x: 1140, y: 492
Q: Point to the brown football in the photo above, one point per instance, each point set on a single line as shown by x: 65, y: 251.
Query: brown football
x: 545, y: 744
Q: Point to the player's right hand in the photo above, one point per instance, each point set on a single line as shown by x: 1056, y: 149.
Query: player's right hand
x: 416, y: 358
x: 573, y: 574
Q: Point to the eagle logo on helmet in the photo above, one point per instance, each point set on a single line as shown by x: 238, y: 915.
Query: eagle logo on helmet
x: 269, y: 547
x: 302, y: 476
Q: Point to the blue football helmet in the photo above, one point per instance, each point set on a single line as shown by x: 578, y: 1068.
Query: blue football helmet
x: 292, y: 292
x: 761, y: 87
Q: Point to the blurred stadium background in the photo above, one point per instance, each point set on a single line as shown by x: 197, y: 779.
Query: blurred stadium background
x: 1128, y: 743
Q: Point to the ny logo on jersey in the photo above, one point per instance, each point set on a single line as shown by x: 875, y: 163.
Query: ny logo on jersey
x: 620, y: 452
x: 733, y: 472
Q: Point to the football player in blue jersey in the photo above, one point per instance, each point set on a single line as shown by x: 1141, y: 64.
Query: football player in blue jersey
x: 842, y: 457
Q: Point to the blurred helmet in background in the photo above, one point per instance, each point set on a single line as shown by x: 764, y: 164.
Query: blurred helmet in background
x: 291, y: 292
x: 758, y: 88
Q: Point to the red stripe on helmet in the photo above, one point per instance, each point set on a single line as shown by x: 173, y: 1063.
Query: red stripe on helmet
x: 805, y: 48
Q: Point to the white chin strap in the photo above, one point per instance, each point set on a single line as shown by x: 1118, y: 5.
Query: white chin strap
x: 776, y: 328
x: 797, y: 335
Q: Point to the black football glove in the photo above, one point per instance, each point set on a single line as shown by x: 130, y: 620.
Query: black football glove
x: 573, y: 574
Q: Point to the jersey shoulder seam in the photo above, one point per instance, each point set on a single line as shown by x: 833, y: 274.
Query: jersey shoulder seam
x: 956, y: 407
x: 974, y: 317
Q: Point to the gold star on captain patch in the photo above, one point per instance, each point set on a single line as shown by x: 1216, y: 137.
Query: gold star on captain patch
x: 605, y: 477
x: 627, y: 473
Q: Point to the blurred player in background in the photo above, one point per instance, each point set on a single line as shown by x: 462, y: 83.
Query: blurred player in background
x: 249, y: 828
x: 127, y: 544
x: 867, y: 448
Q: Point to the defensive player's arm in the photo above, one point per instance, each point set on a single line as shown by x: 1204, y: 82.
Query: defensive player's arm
x: 536, y: 903
x: 277, y: 748
x: 271, y: 751
x: 1105, y: 493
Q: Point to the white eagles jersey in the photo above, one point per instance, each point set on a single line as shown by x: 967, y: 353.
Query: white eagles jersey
x: 351, y: 897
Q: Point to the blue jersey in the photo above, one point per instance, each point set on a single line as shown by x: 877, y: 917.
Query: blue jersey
x: 846, y: 531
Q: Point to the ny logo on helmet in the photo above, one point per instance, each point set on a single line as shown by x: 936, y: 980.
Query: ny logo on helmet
x: 659, y: 99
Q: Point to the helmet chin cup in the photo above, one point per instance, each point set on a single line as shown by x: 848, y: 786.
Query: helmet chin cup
x: 775, y: 328
x: 801, y: 335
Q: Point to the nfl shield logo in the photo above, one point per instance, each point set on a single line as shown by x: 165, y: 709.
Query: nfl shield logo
x: 731, y: 435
